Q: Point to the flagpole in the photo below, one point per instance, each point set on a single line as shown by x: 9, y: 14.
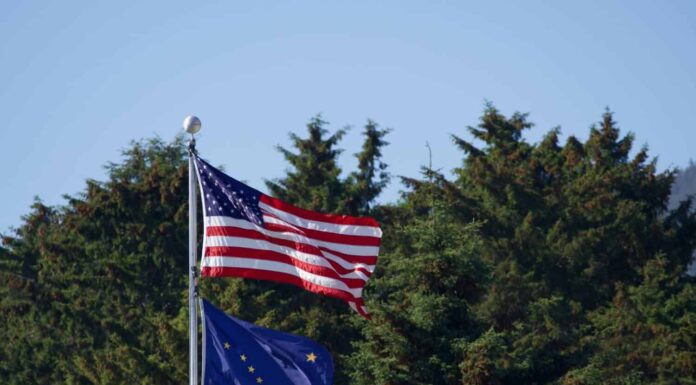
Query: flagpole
x: 192, y: 125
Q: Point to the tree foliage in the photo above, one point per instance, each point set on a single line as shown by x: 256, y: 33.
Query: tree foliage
x: 556, y: 262
x: 92, y: 291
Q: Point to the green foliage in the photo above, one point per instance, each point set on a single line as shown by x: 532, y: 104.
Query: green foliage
x: 315, y: 182
x: 484, y: 360
x: 371, y: 177
x: 646, y: 335
x: 579, y: 217
x: 92, y: 289
x: 539, y: 263
x: 421, y: 300
x: 563, y: 226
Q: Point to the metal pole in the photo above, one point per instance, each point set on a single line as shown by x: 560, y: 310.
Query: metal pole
x: 192, y: 125
x: 193, y: 315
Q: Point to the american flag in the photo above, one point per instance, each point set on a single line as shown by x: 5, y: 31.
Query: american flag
x: 249, y: 234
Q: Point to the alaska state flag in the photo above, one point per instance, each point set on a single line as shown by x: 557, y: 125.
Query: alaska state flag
x: 241, y: 353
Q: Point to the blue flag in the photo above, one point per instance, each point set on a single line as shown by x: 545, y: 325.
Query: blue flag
x: 241, y: 353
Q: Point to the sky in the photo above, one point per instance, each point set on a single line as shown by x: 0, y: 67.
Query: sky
x: 80, y: 80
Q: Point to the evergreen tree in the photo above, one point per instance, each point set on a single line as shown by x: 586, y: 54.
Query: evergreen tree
x: 578, y: 217
x: 540, y: 263
x: 421, y: 299
x: 92, y: 290
x: 646, y: 335
x: 561, y: 226
x: 371, y: 177
x: 314, y: 181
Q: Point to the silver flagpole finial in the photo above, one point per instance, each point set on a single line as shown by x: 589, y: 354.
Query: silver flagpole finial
x: 192, y: 124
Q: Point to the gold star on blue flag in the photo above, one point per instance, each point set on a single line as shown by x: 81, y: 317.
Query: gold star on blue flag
x: 239, y: 352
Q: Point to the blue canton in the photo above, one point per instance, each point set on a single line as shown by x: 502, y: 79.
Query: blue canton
x: 226, y: 196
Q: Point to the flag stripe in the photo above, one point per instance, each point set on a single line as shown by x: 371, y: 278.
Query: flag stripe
x: 351, y: 272
x: 255, y: 256
x: 281, y: 276
x: 360, y: 309
x: 358, y: 240
x: 319, y: 225
x: 315, y: 216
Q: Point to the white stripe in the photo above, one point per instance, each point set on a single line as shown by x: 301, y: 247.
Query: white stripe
x: 257, y: 264
x: 277, y: 221
x: 357, y: 251
x: 370, y: 231
x: 345, y: 264
x: 354, y: 306
x: 259, y: 244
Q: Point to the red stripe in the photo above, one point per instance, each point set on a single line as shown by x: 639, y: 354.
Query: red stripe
x: 351, y: 258
x: 265, y: 255
x: 364, y: 314
x: 280, y: 277
x: 346, y: 239
x: 230, y: 231
x: 314, y: 216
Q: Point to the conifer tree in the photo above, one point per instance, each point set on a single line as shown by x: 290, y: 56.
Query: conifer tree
x: 95, y: 287
x: 646, y: 335
x: 561, y: 227
x: 313, y: 182
x: 555, y: 262
x: 421, y: 298
x: 371, y: 177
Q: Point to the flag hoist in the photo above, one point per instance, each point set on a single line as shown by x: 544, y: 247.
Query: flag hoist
x: 192, y: 125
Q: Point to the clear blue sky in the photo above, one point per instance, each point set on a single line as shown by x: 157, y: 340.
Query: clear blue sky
x: 80, y: 79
